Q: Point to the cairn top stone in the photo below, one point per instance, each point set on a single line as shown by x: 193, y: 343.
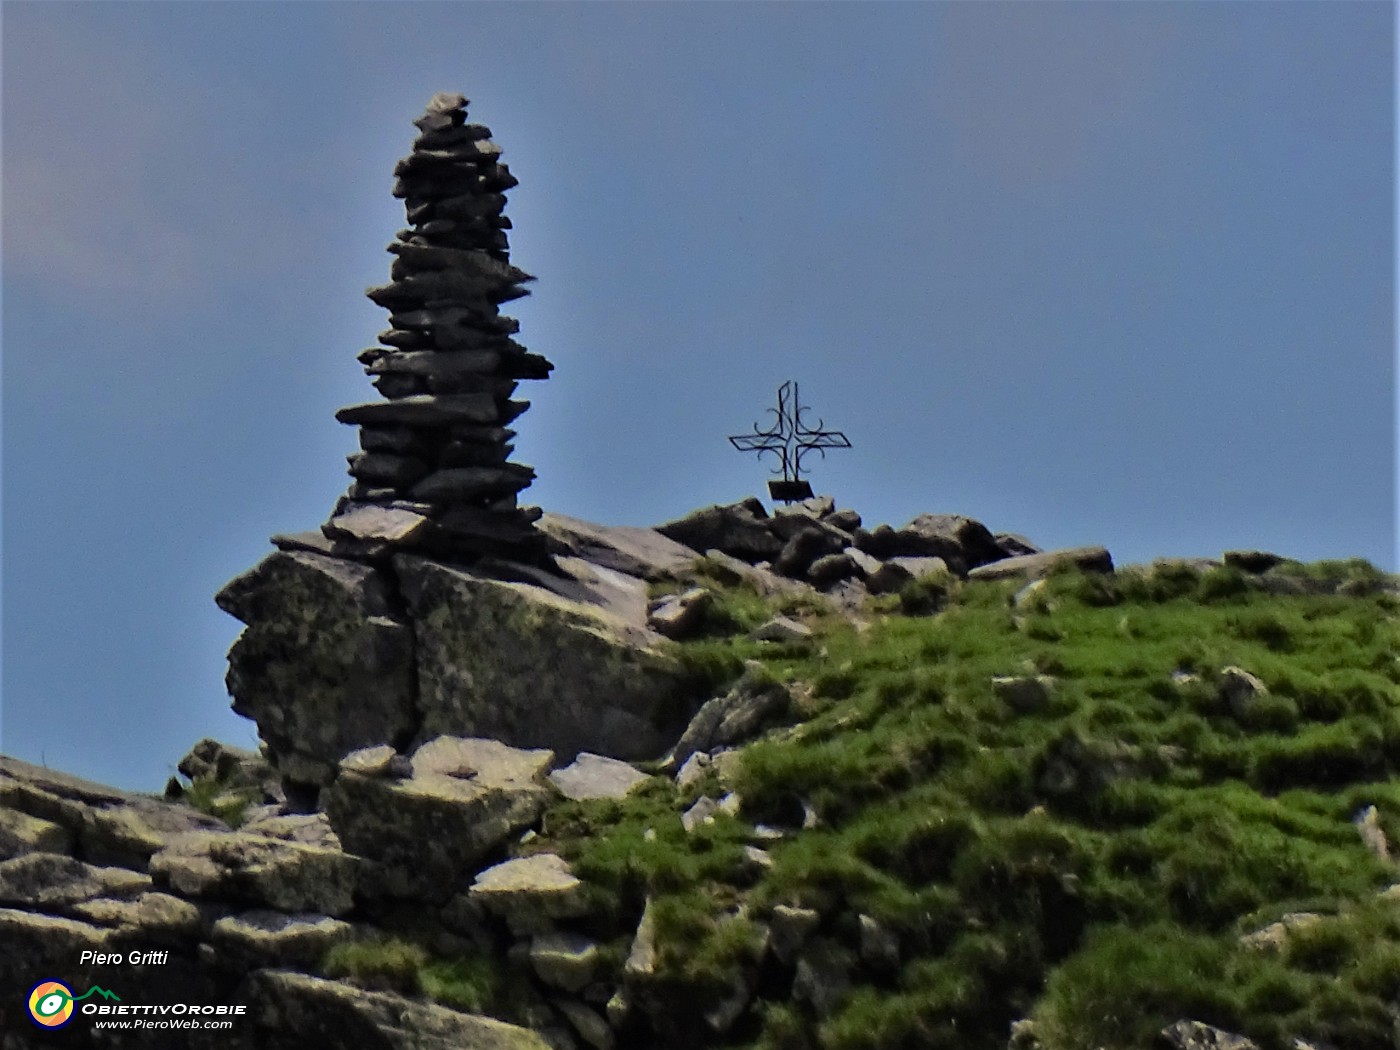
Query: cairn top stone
x: 446, y: 102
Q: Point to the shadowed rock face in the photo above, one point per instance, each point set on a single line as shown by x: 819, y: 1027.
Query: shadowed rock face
x: 325, y: 666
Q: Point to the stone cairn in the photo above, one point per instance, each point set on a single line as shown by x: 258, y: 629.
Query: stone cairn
x: 433, y: 473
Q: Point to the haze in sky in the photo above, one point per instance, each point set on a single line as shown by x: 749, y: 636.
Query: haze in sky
x: 1116, y: 273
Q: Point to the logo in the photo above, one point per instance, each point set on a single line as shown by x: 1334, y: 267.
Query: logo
x: 51, y: 1002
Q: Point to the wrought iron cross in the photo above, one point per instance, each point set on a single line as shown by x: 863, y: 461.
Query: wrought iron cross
x: 790, y: 438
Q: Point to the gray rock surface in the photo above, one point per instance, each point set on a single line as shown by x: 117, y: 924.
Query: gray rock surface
x: 781, y: 629
x: 324, y: 667
x: 1013, y: 544
x: 763, y: 581
x: 961, y: 541
x: 530, y: 892
x: 738, y: 529
x: 1193, y: 1035
x: 370, y: 522
x: 823, y: 975
x: 642, y: 958
x: 750, y: 706
x: 1275, y: 936
x: 806, y: 546
x: 369, y: 761
x: 516, y: 662
x: 568, y: 961
x: 273, y: 938
x: 426, y: 833
x: 50, y: 881
x: 20, y: 834
x: 293, y: 1010
x: 1024, y: 694
x: 236, y: 866
x: 591, y: 1027
x: 1031, y: 566
x: 592, y: 776
x: 107, y: 825
x: 150, y: 918
x: 789, y: 928
x: 1239, y: 688
x: 681, y: 615
x: 831, y: 569
x: 641, y: 552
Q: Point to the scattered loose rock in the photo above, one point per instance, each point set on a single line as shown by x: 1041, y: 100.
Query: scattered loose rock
x: 594, y: 776
x: 568, y: 961
x: 1193, y: 1035
x: 529, y: 893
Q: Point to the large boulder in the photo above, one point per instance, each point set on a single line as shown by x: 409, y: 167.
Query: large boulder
x: 231, y: 767
x: 739, y: 529
x: 520, y: 662
x: 807, y: 544
x: 325, y: 665
x: 960, y: 541
x: 595, y: 777
x: 753, y: 704
x: 428, y: 832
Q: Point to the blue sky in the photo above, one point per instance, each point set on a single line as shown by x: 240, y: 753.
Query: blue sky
x: 1116, y: 273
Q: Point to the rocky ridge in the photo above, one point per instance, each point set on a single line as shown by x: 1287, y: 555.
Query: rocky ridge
x: 432, y: 841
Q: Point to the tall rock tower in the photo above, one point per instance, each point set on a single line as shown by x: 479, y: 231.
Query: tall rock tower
x: 433, y: 473
x: 430, y: 604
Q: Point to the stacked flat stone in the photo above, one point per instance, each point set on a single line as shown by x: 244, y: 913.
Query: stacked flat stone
x: 433, y: 472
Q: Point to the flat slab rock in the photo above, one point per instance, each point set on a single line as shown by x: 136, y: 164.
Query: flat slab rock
x: 157, y: 918
x: 592, y: 776
x: 619, y: 598
x: 265, y: 937
x: 427, y: 832
x: 287, y: 876
x: 50, y: 881
x: 530, y: 892
x: 370, y: 522
x: 304, y: 1011
x: 1032, y: 566
x: 640, y: 552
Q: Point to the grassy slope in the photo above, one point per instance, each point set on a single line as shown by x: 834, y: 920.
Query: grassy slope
x: 1090, y: 865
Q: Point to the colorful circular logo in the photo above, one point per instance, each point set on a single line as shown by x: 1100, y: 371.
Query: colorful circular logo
x: 51, y: 1004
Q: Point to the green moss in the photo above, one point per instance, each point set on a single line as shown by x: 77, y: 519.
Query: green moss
x: 387, y: 963
x: 474, y: 982
x: 471, y: 983
x: 211, y: 796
